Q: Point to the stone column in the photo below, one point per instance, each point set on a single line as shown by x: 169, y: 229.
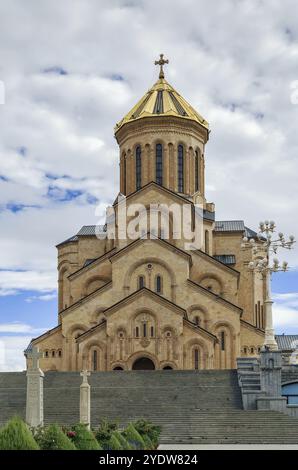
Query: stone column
x: 166, y: 167
x: 34, y: 399
x: 85, y: 400
x: 186, y: 171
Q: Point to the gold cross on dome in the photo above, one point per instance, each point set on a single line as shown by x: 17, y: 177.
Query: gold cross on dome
x: 161, y: 62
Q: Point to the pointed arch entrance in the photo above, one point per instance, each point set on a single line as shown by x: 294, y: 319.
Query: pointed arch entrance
x: 143, y: 363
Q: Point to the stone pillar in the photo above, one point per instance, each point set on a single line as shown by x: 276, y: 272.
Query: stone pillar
x: 186, y: 171
x: 270, y: 367
x: 85, y: 400
x: 34, y: 399
x: 166, y: 167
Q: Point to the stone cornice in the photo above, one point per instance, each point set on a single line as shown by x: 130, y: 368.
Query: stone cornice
x: 47, y: 333
x: 161, y: 124
x: 162, y: 242
x: 215, y: 297
x: 90, y: 331
x: 146, y: 292
x: 85, y: 299
x: 201, y: 330
x: 245, y: 324
x: 90, y: 265
x: 218, y: 263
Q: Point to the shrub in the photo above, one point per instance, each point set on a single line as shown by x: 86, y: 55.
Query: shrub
x: 133, y: 437
x: 104, y: 432
x: 53, y: 438
x: 148, y: 443
x: 82, y: 438
x: 16, y: 435
x: 123, y: 442
x: 147, y: 428
x: 114, y: 443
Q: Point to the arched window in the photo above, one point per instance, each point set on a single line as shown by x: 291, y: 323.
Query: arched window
x: 180, y: 169
x: 59, y: 353
x: 47, y: 354
x: 207, y: 242
x: 53, y: 353
x: 159, y: 164
x: 144, y: 329
x: 141, y: 282
x: 197, y: 170
x: 196, y: 359
x: 152, y: 331
x: 94, y: 361
x: 197, y: 320
x: 158, y: 284
x: 137, y: 332
x: 138, y: 168
x: 222, y: 341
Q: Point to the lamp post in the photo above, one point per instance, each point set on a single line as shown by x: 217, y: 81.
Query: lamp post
x: 262, y: 263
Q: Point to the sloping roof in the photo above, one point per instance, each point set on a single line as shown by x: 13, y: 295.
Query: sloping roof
x: 226, y: 259
x: 89, y: 230
x: 229, y: 226
x: 234, y: 226
x: 162, y: 100
x: 249, y: 233
x: 287, y: 342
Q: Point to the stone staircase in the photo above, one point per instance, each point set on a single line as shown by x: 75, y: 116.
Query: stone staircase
x: 193, y: 407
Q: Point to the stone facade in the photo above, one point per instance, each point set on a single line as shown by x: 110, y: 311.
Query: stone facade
x: 150, y: 302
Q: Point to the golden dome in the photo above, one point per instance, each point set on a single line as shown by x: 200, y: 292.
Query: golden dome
x: 162, y: 100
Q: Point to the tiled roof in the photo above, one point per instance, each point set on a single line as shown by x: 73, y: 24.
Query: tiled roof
x: 234, y: 226
x: 162, y: 100
x: 229, y: 226
x: 287, y: 342
x: 226, y: 259
x: 90, y: 230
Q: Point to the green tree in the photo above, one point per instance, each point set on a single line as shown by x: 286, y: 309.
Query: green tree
x: 124, y: 444
x: 104, y: 432
x: 16, y: 435
x: 133, y: 437
x: 113, y: 443
x: 82, y: 438
x: 147, y: 428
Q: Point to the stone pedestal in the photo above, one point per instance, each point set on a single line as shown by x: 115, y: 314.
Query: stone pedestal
x: 85, y: 400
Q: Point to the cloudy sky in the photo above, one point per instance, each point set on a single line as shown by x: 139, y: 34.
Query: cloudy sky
x: 72, y: 69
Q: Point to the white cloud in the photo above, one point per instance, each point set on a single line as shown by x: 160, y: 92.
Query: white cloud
x: 11, y: 352
x: 17, y: 327
x: 26, y: 280
x: 44, y: 297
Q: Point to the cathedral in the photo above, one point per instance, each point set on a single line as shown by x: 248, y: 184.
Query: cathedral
x: 148, y: 302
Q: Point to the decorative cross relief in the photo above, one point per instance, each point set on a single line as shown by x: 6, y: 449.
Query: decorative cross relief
x: 35, y: 355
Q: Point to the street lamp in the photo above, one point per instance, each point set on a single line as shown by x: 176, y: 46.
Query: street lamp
x: 262, y: 263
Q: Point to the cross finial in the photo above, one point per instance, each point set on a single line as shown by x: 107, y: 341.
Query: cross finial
x: 85, y: 374
x: 35, y: 355
x: 161, y: 62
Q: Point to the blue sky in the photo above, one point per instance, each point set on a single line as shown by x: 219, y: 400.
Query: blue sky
x: 71, y: 70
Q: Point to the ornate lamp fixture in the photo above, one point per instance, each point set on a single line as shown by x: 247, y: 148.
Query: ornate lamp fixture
x: 262, y: 252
